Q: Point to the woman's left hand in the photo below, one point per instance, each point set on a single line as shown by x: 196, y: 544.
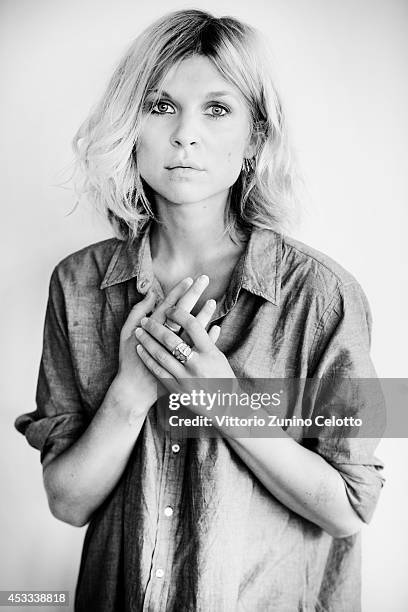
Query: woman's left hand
x: 157, y: 343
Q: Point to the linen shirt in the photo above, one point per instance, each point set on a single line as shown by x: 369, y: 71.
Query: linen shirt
x: 188, y: 525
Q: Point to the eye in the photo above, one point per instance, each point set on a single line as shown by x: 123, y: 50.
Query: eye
x: 220, y: 108
x: 161, y: 106
x: 157, y: 105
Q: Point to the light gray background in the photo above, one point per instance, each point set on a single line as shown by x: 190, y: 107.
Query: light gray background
x: 341, y: 67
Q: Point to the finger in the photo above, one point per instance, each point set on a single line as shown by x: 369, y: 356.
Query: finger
x: 193, y: 328
x: 164, y: 377
x: 206, y: 312
x: 214, y: 333
x: 161, y: 333
x: 190, y: 298
x: 166, y: 338
x: 160, y: 354
x: 172, y: 298
x: 139, y: 310
x: 186, y: 300
x: 203, y: 317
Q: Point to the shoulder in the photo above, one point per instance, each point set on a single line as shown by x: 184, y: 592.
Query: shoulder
x: 87, y: 266
x: 322, y: 280
x: 307, y: 279
x: 315, y: 268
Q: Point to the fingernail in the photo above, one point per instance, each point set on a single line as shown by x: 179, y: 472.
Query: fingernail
x: 211, y: 303
x: 138, y: 331
x: 144, y: 320
x: 203, y: 278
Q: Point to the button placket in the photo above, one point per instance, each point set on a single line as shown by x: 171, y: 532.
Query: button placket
x: 162, y: 561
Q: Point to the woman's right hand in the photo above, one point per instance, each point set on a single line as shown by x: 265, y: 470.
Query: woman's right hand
x: 134, y: 383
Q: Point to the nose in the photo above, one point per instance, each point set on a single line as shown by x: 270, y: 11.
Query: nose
x: 185, y: 133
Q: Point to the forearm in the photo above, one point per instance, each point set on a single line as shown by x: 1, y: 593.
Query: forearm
x: 301, y: 480
x: 81, y: 478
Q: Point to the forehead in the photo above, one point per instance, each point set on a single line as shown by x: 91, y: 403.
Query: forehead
x: 197, y: 77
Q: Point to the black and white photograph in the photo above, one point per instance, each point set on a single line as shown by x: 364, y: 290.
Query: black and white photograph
x: 204, y: 374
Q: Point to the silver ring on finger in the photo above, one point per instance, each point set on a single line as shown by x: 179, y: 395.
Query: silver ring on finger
x: 174, y: 329
x: 182, y: 352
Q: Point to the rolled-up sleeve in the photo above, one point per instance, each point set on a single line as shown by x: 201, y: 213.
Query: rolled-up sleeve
x: 59, y: 418
x: 348, y: 387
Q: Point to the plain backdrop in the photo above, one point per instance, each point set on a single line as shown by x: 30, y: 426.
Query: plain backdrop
x: 341, y: 67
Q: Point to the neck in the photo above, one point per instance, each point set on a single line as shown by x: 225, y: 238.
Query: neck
x: 190, y: 236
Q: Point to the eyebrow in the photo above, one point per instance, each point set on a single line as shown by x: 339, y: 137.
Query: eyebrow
x: 210, y: 94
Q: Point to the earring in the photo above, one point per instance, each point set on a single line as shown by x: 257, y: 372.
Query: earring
x: 246, y: 165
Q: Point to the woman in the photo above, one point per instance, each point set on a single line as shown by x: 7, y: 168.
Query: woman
x: 187, y: 155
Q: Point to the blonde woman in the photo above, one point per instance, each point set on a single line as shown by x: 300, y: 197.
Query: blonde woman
x: 187, y: 154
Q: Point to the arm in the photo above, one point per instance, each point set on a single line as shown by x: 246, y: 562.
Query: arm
x: 302, y: 480
x: 337, y: 486
x: 80, y: 479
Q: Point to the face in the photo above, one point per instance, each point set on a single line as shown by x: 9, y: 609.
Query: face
x: 201, y: 121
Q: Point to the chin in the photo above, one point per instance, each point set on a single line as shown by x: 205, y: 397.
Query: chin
x: 186, y: 195
x: 180, y: 201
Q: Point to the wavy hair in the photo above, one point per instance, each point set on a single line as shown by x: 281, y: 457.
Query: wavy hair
x: 105, y: 144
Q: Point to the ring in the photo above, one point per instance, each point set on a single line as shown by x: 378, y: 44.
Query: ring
x: 173, y: 329
x: 182, y: 352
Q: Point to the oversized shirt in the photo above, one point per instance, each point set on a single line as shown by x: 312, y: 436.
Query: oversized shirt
x: 189, y: 527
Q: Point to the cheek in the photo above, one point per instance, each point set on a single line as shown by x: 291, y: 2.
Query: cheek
x: 231, y: 160
x: 143, y: 148
x: 232, y: 148
x: 232, y: 156
x: 149, y: 140
x: 147, y: 153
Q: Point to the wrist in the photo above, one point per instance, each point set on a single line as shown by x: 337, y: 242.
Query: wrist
x: 128, y: 401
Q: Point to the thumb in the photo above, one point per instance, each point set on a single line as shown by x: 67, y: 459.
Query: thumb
x: 140, y: 309
x: 214, y: 333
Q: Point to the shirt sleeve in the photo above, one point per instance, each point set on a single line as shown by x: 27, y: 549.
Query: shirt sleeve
x: 348, y: 386
x: 59, y: 419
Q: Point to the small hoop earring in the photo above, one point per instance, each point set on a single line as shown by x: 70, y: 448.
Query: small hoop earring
x: 246, y: 165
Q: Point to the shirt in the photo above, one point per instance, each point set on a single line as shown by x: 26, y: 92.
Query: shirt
x: 189, y: 526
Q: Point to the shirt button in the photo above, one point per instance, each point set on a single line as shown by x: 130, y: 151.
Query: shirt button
x: 159, y: 573
x: 168, y: 511
x: 175, y: 448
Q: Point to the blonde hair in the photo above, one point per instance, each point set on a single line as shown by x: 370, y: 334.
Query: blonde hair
x: 105, y: 144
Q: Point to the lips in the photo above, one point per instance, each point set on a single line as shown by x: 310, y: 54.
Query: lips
x: 190, y: 165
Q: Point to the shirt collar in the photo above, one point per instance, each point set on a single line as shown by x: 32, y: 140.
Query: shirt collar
x: 258, y: 270
x: 262, y: 264
x: 131, y: 261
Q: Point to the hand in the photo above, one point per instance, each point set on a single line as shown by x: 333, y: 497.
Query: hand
x: 157, y: 343
x: 134, y: 381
